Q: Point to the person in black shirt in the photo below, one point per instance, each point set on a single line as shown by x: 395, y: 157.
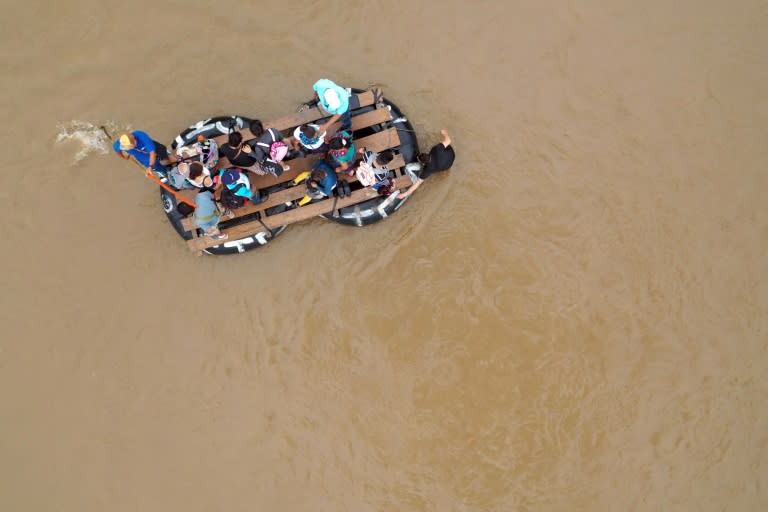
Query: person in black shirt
x: 440, y: 158
x: 239, y: 153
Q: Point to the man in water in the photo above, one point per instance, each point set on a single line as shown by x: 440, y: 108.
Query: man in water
x: 439, y: 158
x: 143, y: 149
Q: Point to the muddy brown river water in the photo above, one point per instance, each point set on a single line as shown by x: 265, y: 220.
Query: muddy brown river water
x: 574, y: 318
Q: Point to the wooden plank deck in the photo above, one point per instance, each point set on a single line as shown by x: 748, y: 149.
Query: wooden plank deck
x: 385, y: 139
x: 280, y: 197
x: 376, y: 142
x: 374, y: 117
x: 291, y: 121
x: 292, y: 216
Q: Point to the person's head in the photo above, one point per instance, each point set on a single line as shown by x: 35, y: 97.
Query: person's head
x: 127, y: 141
x: 230, y: 177
x: 385, y: 157
x: 317, y: 175
x: 235, y: 139
x: 257, y: 129
x: 308, y: 131
x: 338, y: 143
x: 423, y: 158
x: 195, y: 170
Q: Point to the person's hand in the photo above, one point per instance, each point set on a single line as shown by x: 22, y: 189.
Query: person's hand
x: 148, y: 171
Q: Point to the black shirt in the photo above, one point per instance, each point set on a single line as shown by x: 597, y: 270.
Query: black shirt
x: 440, y: 159
x: 242, y: 159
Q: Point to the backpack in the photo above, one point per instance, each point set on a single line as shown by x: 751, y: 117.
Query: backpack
x: 230, y: 200
x: 208, y: 150
x: 272, y: 167
x: 277, y: 150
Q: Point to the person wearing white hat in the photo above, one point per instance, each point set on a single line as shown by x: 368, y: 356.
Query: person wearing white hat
x: 334, y: 100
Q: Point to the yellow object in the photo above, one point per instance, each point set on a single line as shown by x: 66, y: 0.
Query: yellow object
x: 301, y: 177
x: 125, y: 142
x: 304, y: 200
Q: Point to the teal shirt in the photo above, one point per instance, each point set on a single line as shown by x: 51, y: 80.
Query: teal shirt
x: 324, y: 84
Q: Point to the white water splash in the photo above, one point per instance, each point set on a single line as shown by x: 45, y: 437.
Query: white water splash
x: 89, y: 136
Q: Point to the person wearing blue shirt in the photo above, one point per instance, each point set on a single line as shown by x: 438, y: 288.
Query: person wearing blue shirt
x: 208, y: 215
x: 322, y: 181
x: 143, y: 149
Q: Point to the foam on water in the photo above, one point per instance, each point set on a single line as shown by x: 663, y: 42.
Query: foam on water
x: 90, y: 137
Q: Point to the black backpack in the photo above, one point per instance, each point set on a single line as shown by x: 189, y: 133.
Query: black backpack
x: 272, y: 167
x: 230, y: 200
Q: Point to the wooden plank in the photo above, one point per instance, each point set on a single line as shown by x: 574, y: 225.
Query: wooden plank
x: 380, y: 141
x: 282, y: 197
x: 366, y: 120
x: 291, y: 121
x: 293, y: 216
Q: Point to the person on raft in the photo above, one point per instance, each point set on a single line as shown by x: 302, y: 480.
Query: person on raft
x: 439, y: 158
x: 333, y: 100
x: 140, y: 146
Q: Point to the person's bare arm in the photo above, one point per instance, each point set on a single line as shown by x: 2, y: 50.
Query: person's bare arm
x: 446, y: 138
x: 411, y: 189
x: 325, y: 127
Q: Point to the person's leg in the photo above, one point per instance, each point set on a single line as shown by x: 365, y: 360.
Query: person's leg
x: 346, y: 121
x: 214, y: 232
x: 162, y: 154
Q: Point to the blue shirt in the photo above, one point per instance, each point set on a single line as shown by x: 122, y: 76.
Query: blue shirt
x: 324, y: 84
x: 144, y: 146
x: 206, y: 212
x: 326, y: 184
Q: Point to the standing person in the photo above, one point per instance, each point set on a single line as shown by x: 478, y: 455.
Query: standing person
x: 143, y: 149
x: 334, y: 100
x: 208, y: 215
x: 440, y: 158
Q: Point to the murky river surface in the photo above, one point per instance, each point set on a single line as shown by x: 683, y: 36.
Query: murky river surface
x: 573, y: 318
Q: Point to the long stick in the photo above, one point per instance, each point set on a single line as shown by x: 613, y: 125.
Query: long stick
x: 151, y: 176
x: 179, y: 196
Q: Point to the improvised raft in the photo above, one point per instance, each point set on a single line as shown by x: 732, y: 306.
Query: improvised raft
x: 377, y: 124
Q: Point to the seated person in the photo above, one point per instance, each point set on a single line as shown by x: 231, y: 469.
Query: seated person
x: 322, y: 180
x: 440, y: 158
x: 208, y: 215
x: 308, y: 138
x: 374, y: 172
x: 204, y: 150
x: 199, y: 176
x: 239, y: 153
x: 269, y: 145
x: 238, y: 184
x: 342, y: 152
